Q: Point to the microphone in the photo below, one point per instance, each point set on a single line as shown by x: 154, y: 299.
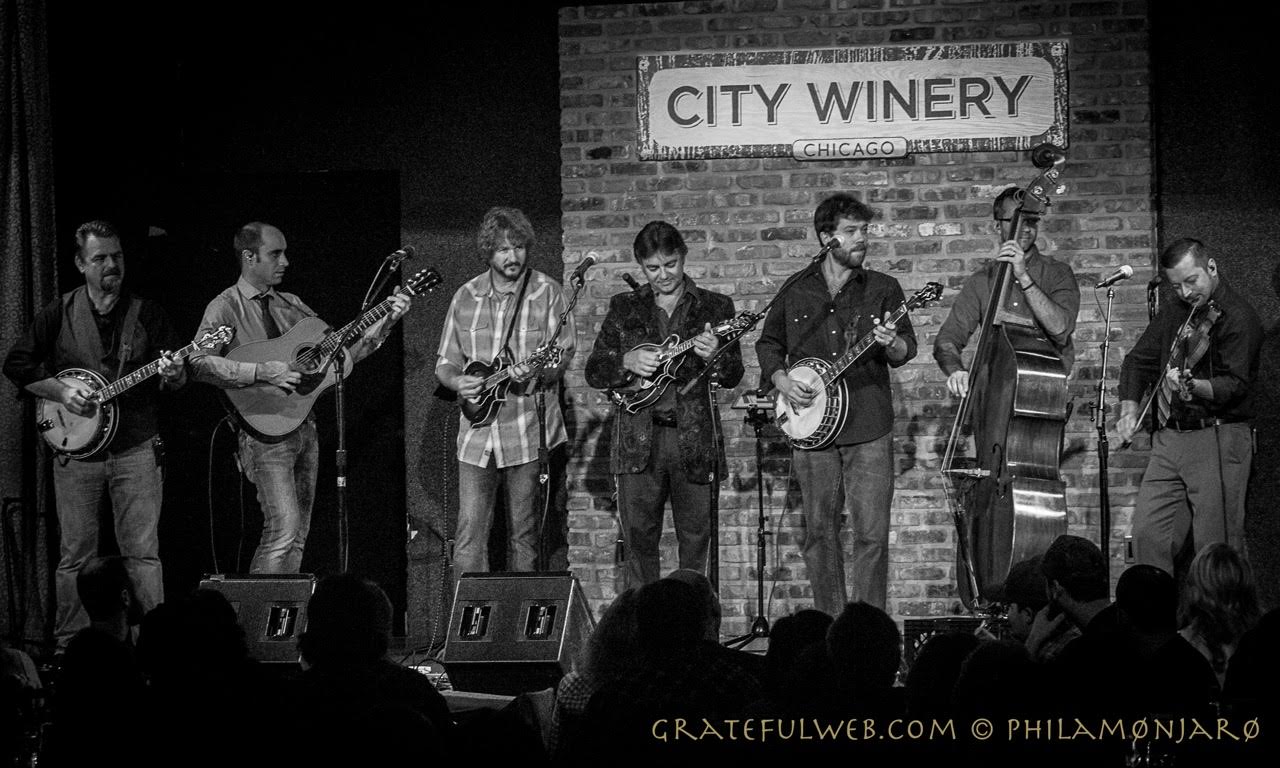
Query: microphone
x: 1123, y: 273
x: 832, y: 244
x: 631, y: 281
x: 588, y: 262
x: 404, y: 253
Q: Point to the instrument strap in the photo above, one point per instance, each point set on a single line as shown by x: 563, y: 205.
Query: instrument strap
x: 126, y: 335
x: 515, y: 315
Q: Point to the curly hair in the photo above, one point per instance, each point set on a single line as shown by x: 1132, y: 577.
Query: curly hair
x: 502, y: 222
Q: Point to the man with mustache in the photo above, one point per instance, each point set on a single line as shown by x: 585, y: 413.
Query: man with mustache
x: 101, y: 327
x: 830, y: 307
x: 511, y: 310
x: 664, y: 451
x: 284, y: 471
x: 1193, y: 490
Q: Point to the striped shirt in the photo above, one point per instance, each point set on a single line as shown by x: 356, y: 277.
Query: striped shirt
x: 478, y: 319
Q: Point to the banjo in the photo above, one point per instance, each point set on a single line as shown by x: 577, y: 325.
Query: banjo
x: 82, y: 436
x: 817, y: 424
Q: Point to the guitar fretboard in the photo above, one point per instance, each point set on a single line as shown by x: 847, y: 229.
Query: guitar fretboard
x: 352, y: 332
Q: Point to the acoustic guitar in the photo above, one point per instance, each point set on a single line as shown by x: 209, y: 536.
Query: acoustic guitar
x: 269, y: 412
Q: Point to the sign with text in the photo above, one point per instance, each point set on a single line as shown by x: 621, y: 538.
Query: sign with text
x: 852, y: 103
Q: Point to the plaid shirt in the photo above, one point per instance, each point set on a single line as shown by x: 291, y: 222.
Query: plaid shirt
x: 478, y: 319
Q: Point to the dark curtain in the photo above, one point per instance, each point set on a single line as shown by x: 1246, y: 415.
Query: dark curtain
x: 28, y: 279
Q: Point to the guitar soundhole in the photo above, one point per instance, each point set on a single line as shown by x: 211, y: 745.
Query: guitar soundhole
x: 302, y: 363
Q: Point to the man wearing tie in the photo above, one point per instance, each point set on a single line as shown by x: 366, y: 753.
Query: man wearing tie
x: 284, y: 471
x: 1201, y: 356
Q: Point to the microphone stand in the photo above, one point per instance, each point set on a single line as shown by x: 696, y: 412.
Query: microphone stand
x: 747, y: 321
x: 1099, y: 416
x: 339, y: 363
x: 540, y: 404
x: 757, y: 416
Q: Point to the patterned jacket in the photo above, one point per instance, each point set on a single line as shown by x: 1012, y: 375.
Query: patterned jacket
x: 631, y: 321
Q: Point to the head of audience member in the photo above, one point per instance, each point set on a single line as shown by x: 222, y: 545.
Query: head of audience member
x: 845, y: 217
x: 1075, y: 571
x: 613, y: 648
x: 788, y: 639
x: 107, y: 593
x: 660, y: 251
x: 1220, y: 599
x: 1147, y: 599
x: 671, y: 620
x: 1003, y: 209
x: 505, y: 239
x: 100, y: 257
x: 711, y: 601
x: 201, y: 626
x: 1024, y: 592
x: 865, y: 648
x: 933, y: 675
x: 261, y: 251
x: 348, y: 624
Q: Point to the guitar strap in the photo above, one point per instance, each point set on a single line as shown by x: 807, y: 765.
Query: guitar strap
x: 515, y: 315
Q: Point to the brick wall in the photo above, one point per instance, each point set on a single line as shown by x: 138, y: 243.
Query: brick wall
x: 748, y: 226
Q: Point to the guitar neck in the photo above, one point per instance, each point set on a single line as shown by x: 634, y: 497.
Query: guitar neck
x: 124, y: 383
x: 352, y: 331
x: 857, y: 350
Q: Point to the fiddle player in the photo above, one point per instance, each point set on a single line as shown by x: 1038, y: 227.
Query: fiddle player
x: 1193, y: 490
x: 661, y: 451
x: 1046, y: 286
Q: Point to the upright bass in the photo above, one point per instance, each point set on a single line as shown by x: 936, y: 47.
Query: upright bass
x: 1008, y: 500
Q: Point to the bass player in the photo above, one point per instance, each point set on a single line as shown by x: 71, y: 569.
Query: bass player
x: 829, y: 307
x: 499, y: 319
x: 283, y: 468
x: 661, y: 452
x: 101, y: 327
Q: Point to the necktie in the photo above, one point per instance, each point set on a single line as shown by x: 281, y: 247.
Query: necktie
x: 1164, y: 401
x: 268, y: 322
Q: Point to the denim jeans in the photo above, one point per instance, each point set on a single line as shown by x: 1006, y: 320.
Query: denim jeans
x: 477, y: 488
x: 642, y: 501
x: 858, y: 480
x: 134, y: 484
x: 285, y: 476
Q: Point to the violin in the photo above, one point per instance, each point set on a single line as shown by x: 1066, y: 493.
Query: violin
x: 1189, y: 346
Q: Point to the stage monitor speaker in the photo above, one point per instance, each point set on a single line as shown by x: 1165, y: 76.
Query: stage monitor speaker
x: 514, y: 632
x: 272, y: 609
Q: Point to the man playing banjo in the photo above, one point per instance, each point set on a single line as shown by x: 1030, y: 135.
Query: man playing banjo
x: 101, y: 328
x: 832, y: 305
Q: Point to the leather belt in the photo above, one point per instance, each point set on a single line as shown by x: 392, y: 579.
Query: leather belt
x: 664, y: 421
x: 1191, y: 425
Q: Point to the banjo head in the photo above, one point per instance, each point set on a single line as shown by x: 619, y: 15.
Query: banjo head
x: 70, y: 434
